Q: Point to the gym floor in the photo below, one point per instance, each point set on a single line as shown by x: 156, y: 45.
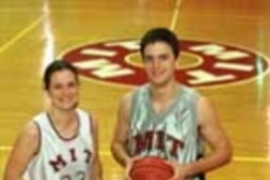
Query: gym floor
x: 33, y: 33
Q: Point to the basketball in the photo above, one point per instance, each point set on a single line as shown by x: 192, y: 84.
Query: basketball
x: 151, y: 168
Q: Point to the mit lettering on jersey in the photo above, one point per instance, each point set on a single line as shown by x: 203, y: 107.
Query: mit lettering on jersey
x: 60, y: 161
x: 156, y: 140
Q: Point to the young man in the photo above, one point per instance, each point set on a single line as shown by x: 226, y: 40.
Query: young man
x: 167, y: 119
x: 61, y: 142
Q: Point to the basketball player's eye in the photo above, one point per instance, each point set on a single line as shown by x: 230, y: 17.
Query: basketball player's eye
x: 57, y: 86
x: 72, y: 84
x: 163, y: 57
x: 148, y: 58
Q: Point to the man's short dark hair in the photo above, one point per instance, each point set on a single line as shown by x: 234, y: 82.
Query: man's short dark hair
x: 160, y: 35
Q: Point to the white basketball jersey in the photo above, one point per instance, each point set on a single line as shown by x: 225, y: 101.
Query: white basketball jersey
x: 62, y: 159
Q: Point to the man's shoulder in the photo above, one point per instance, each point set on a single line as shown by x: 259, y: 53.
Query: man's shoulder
x: 128, y: 99
x: 190, y: 90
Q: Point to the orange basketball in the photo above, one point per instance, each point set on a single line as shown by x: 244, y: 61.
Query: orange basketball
x: 151, y: 168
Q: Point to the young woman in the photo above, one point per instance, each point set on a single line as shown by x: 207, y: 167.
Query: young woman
x: 61, y: 142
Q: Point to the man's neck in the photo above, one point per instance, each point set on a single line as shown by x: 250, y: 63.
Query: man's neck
x: 164, y: 93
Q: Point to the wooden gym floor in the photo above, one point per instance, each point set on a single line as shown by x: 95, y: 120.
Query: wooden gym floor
x: 34, y: 32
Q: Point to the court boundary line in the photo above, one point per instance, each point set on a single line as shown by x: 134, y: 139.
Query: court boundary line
x: 20, y: 35
x: 176, y: 12
x: 252, y: 159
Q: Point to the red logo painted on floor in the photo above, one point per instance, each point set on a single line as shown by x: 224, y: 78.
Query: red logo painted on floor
x: 217, y: 63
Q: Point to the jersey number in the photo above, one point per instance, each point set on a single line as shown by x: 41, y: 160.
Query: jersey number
x: 80, y: 175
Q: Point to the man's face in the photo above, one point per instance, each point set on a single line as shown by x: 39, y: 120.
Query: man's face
x: 159, y: 62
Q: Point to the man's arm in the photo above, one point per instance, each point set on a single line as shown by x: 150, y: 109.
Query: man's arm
x: 215, y: 137
x: 121, y: 131
x: 25, y: 147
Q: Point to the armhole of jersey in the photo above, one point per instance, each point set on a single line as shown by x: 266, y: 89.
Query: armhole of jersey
x: 39, y: 138
x: 25, y: 170
x: 195, y: 106
x: 133, y: 105
x: 201, y: 147
x: 91, y: 133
